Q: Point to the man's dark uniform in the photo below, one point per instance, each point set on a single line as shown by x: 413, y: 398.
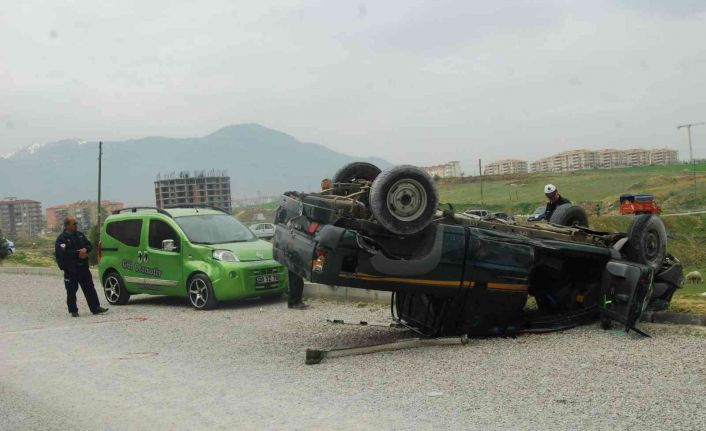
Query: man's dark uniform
x: 75, y: 269
x: 551, y: 206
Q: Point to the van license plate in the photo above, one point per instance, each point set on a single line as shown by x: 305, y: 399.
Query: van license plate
x: 262, y: 281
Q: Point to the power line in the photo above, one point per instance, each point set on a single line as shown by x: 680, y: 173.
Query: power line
x: 691, y: 153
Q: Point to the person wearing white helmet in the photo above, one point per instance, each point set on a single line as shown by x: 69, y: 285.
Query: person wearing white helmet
x: 555, y: 200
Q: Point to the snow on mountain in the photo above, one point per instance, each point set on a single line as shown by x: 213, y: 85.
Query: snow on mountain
x: 33, y: 148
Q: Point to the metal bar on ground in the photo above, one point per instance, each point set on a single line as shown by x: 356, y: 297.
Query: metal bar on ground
x: 364, y: 323
x: 315, y: 356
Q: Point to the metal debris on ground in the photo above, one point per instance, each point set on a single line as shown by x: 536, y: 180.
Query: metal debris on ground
x: 315, y: 356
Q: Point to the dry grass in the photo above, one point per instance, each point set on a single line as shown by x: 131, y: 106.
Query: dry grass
x: 688, y: 304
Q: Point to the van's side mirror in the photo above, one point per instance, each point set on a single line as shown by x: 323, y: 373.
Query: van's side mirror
x: 168, y: 245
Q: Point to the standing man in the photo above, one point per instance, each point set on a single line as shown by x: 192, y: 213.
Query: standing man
x: 71, y: 250
x: 555, y: 200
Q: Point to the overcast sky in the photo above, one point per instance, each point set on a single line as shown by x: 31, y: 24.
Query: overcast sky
x: 411, y: 81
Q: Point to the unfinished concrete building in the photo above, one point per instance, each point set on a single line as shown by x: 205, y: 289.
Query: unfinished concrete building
x: 193, y: 188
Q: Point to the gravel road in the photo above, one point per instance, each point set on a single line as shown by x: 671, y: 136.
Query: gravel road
x: 158, y: 364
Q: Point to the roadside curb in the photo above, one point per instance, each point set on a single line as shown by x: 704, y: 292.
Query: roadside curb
x: 346, y: 294
x: 675, y: 318
x: 351, y: 294
x: 31, y: 270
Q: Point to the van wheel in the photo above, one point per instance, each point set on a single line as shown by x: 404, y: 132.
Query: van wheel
x: 647, y: 241
x: 355, y: 171
x: 570, y: 215
x: 114, y: 289
x: 403, y: 199
x: 200, y: 292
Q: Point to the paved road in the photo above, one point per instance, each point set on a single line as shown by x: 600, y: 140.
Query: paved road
x: 158, y: 364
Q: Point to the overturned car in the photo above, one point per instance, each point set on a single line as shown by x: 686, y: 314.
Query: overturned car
x: 453, y: 273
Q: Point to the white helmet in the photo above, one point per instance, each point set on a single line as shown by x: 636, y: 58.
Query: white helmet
x: 549, y: 188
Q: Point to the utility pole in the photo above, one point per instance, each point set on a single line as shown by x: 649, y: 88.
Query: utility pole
x: 100, y: 161
x: 480, y: 172
x: 691, y: 153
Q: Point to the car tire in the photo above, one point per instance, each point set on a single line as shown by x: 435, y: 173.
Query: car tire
x: 114, y: 289
x: 647, y: 241
x: 570, y: 215
x: 356, y: 171
x: 199, y: 291
x: 404, y: 199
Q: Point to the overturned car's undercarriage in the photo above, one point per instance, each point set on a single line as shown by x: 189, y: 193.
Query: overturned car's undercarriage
x: 463, y: 274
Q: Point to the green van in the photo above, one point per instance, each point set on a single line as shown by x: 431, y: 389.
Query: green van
x: 203, y: 254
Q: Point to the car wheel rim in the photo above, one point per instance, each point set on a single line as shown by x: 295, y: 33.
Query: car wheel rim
x: 407, y: 200
x: 112, y: 289
x: 198, y: 293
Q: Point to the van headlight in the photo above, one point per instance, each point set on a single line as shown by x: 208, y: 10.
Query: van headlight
x: 225, y: 256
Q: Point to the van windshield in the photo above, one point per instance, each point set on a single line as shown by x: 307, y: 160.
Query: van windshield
x: 214, y: 229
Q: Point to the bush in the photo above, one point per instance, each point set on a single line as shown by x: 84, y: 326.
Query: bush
x: 4, y: 252
x: 94, y: 237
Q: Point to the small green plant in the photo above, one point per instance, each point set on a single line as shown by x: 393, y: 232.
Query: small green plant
x: 93, y: 237
x: 4, y: 252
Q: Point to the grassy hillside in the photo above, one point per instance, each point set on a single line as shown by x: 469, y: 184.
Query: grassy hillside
x: 672, y: 186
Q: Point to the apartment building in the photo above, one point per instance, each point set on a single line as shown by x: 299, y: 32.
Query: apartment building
x: 541, y: 165
x: 578, y: 159
x: 85, y: 212
x: 664, y: 156
x: 609, y: 158
x: 606, y: 159
x: 200, y: 187
x: 506, y: 167
x: 635, y: 157
x: 21, y: 218
x: 447, y: 170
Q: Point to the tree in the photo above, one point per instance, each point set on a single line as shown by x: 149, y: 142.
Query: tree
x: 4, y: 252
x: 94, y: 237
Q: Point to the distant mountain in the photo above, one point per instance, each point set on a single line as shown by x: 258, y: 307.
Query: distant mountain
x: 259, y: 161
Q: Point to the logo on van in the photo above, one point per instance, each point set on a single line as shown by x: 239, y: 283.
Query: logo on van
x: 155, y: 272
